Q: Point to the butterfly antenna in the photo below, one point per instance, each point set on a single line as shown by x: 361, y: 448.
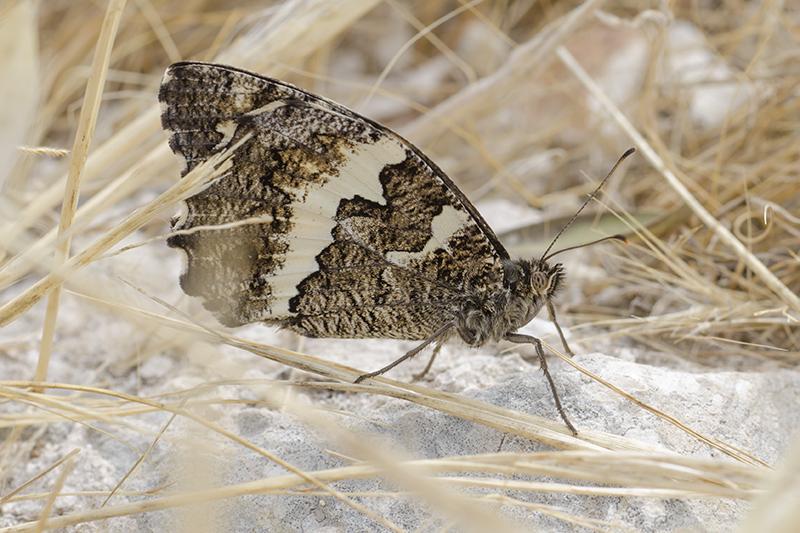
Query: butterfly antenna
x: 597, y: 190
x: 598, y: 241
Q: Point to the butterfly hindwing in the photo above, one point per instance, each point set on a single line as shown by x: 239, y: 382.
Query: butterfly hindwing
x: 334, y: 226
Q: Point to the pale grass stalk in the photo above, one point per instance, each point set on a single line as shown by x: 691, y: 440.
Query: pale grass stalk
x: 661, y: 475
x: 721, y: 231
x: 80, y: 151
x: 43, y: 522
x: 202, y: 176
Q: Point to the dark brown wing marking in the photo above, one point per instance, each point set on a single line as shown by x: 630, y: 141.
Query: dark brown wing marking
x: 349, y: 230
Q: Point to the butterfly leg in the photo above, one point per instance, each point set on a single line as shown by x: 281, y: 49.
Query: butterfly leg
x: 551, y: 310
x: 409, y: 354
x: 430, y: 364
x: 525, y: 339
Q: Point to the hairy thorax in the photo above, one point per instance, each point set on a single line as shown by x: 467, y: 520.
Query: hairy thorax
x: 490, y: 313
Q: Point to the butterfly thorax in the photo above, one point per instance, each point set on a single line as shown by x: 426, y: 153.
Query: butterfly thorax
x: 488, y: 315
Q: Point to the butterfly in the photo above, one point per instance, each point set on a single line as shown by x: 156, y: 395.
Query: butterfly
x: 331, y: 225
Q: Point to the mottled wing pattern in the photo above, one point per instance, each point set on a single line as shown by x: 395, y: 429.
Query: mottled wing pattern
x: 334, y: 226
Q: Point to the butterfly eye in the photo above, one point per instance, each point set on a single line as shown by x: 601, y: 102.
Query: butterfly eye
x: 539, y: 281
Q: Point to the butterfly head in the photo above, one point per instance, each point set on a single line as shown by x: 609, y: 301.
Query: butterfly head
x: 545, y: 280
x: 532, y: 284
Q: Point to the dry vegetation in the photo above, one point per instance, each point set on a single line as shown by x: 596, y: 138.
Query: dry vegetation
x: 492, y: 92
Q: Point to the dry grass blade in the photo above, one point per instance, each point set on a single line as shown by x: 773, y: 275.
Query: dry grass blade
x: 721, y: 231
x: 46, y: 150
x: 202, y: 176
x: 25, y: 485
x: 80, y: 151
x: 714, y: 443
x: 659, y: 475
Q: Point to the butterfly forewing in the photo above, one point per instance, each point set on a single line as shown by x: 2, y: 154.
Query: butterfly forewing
x: 334, y: 225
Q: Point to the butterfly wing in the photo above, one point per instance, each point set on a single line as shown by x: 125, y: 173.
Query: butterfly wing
x: 327, y: 223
